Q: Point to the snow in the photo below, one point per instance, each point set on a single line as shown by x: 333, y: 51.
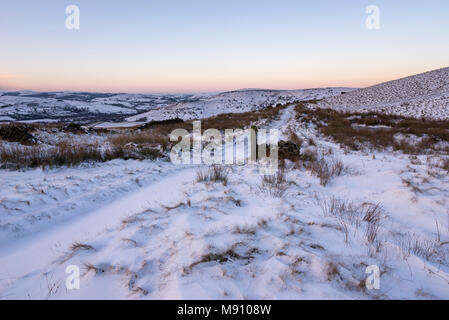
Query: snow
x: 110, y: 125
x: 154, y: 232
x: 38, y: 121
x: 69, y: 106
x: 103, y: 107
x: 423, y: 95
x: 150, y: 230
x: 5, y: 118
x: 235, y: 102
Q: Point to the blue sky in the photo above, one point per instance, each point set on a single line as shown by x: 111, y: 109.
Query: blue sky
x: 196, y: 45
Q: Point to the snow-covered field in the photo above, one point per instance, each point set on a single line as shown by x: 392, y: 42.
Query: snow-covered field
x: 151, y: 230
x: 424, y: 95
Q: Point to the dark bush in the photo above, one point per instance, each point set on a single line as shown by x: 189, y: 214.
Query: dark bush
x: 17, y: 133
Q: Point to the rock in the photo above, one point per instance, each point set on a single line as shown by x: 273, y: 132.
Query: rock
x: 75, y: 128
x: 140, y: 152
x: 16, y: 133
x: 288, y: 150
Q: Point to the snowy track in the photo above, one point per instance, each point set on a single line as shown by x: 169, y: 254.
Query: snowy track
x: 172, y: 237
x: 49, y: 244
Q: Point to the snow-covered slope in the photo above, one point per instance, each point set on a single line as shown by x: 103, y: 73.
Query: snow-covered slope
x: 422, y: 95
x: 234, y: 102
x: 82, y: 106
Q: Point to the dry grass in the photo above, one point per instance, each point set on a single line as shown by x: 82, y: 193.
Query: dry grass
x: 64, y: 153
x: 219, y: 257
x: 424, y: 248
x: 324, y: 169
x: 367, y: 217
x: 356, y: 130
x: 77, y: 246
x: 214, y: 173
x: 244, y: 230
x: 140, y: 138
x: 332, y: 270
x: 275, y: 185
x: 295, y: 139
x: 241, y: 120
x: 147, y: 142
x: 70, y: 153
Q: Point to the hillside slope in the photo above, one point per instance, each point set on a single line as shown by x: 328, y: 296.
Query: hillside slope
x: 423, y: 95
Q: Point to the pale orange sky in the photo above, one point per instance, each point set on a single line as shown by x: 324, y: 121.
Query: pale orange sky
x: 172, y: 46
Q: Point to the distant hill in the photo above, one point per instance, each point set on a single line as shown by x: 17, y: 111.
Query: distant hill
x: 234, y: 102
x: 88, y: 107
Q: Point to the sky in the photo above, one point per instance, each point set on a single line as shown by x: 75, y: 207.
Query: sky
x: 216, y: 45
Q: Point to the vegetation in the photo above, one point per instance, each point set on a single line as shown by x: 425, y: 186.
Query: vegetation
x: 357, y: 130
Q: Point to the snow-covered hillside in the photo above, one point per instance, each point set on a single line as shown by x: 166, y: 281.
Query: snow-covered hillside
x: 423, y: 95
x: 81, y: 106
x: 235, y: 102
x: 98, y: 107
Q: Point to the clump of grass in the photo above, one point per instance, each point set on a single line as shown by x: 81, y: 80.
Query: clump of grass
x: 130, y: 220
x: 275, y: 185
x: 424, y: 248
x: 323, y: 168
x: 366, y: 216
x: 244, y: 230
x: 220, y: 257
x: 332, y: 270
x: 77, y: 246
x: 90, y: 267
x: 214, y: 173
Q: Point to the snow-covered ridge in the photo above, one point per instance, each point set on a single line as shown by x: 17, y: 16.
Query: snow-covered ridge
x: 94, y: 107
x: 235, y: 102
x: 422, y: 95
